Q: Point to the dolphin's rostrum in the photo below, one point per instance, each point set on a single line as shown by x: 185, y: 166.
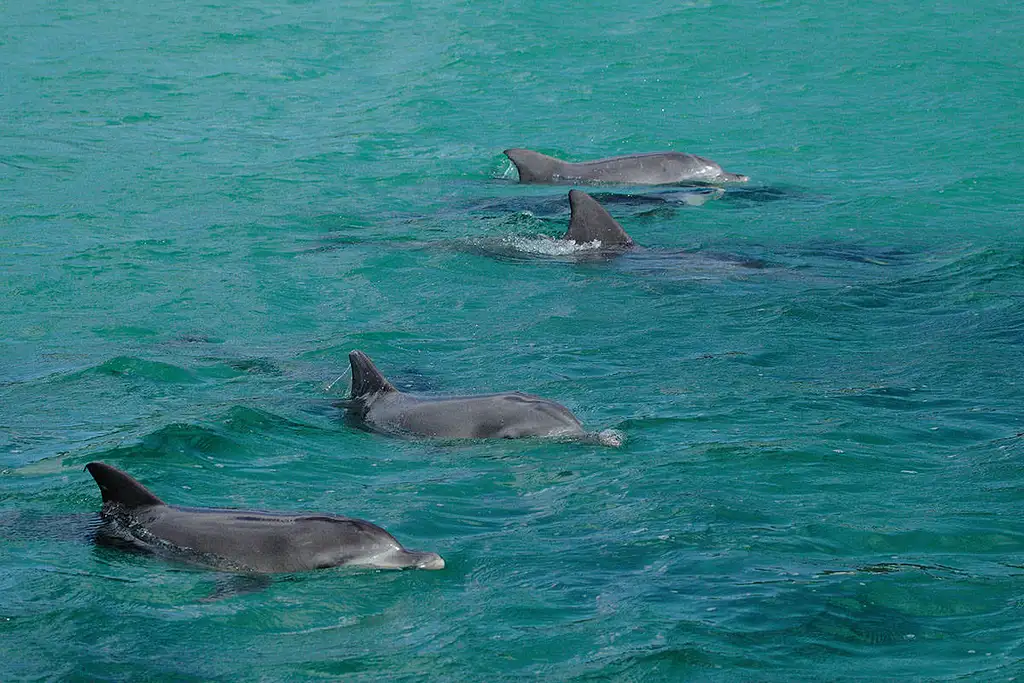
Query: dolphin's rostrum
x: 243, y: 540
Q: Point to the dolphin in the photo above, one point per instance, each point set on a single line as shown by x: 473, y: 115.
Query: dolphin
x: 243, y: 540
x: 589, y: 222
x: 375, y: 404
x: 659, y: 168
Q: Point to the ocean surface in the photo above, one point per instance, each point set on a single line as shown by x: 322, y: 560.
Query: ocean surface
x: 205, y: 206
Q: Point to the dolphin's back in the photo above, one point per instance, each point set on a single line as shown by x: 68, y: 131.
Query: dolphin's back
x: 262, y: 541
x: 658, y: 168
x: 507, y: 415
x: 377, y: 405
x: 655, y: 168
x: 243, y: 540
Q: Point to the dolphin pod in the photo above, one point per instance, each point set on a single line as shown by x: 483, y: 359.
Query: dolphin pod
x: 257, y: 542
x: 244, y: 540
x: 659, y: 168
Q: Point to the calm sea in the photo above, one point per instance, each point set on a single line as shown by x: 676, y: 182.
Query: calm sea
x: 205, y: 206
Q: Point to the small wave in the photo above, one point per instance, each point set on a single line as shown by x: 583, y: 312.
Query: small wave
x: 216, y: 440
x: 175, y: 439
x: 892, y: 567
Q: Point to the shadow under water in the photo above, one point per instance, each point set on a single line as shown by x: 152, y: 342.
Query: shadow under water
x: 21, y: 526
x: 553, y: 205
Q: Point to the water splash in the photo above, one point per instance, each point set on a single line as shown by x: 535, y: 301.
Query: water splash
x: 542, y: 245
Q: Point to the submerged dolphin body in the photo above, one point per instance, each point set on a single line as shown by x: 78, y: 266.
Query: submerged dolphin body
x: 659, y: 168
x: 244, y: 540
x: 377, y: 405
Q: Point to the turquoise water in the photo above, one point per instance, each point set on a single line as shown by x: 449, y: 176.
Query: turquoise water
x: 205, y: 208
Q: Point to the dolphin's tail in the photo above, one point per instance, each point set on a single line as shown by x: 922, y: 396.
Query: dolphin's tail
x: 367, y: 380
x: 591, y: 222
x: 533, y: 167
x: 118, y: 487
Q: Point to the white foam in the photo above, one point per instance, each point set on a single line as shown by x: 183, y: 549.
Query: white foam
x: 611, y: 437
x: 508, y: 171
x: 548, y: 246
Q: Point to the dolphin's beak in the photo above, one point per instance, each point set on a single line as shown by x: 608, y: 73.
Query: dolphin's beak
x: 430, y: 561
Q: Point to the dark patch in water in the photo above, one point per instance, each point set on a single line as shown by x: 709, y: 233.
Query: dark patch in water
x: 16, y: 525
x: 198, y: 339
x: 414, y: 381
x: 557, y: 205
x: 755, y: 195
x: 858, y: 253
x: 892, y: 567
x: 139, y: 368
x: 255, y: 366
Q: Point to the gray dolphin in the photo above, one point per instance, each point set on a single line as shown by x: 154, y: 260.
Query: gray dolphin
x: 243, y: 540
x: 590, y: 222
x: 376, y: 404
x: 659, y: 168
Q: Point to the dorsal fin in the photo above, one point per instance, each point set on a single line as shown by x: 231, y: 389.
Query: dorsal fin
x: 118, y: 487
x: 591, y: 222
x: 533, y: 167
x: 366, y: 378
